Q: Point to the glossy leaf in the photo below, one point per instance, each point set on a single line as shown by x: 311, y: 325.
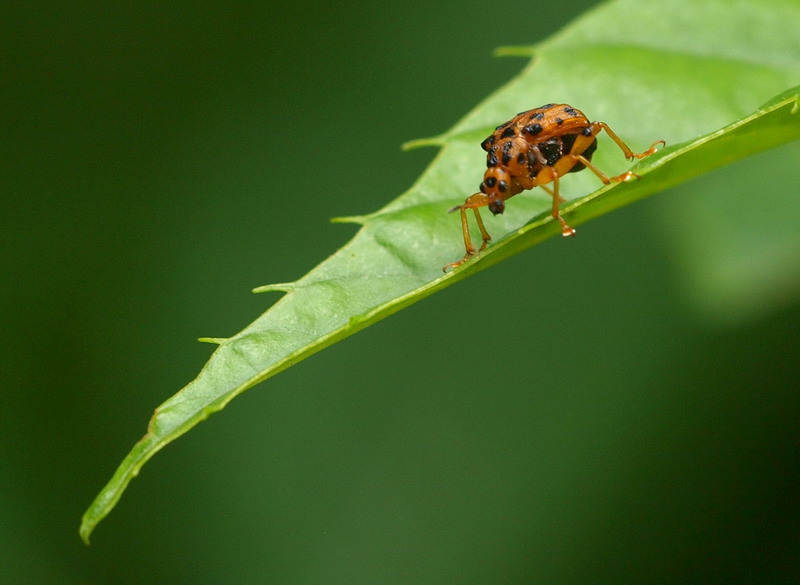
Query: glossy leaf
x: 694, y: 73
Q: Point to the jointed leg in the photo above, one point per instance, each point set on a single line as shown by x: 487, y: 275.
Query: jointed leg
x: 484, y: 234
x: 550, y: 192
x: 629, y: 154
x: 575, y: 156
x: 579, y: 158
x: 472, y: 202
x: 566, y: 230
x: 465, y: 229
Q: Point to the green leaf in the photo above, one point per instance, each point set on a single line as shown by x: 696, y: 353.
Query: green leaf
x: 691, y: 72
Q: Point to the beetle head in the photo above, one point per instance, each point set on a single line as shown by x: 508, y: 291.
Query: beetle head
x: 495, y: 184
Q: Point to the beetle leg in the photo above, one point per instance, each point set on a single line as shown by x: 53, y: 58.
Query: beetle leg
x: 472, y: 202
x: 629, y: 154
x: 546, y: 175
x: 484, y: 234
x: 583, y: 142
x: 626, y: 176
x: 550, y: 191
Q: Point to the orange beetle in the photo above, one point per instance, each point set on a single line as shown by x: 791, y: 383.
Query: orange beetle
x: 533, y: 149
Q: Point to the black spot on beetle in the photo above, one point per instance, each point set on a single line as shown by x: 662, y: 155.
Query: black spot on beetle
x: 551, y: 150
x: 567, y: 141
x: 508, y: 132
x: 507, y: 153
x: 571, y: 111
x: 537, y: 116
x: 502, y: 186
x: 486, y: 144
x: 521, y: 158
x: 559, y: 121
x: 490, y: 181
x: 532, y: 129
x: 491, y: 161
x: 587, y: 131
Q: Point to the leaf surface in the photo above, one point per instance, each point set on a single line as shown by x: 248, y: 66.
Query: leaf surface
x: 709, y: 79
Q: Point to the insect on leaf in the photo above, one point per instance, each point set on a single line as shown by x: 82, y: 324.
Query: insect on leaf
x: 675, y: 71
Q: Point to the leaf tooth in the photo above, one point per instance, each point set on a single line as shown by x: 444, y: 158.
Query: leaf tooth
x: 286, y: 287
x: 357, y: 219
x: 215, y: 340
x: 422, y: 142
x: 515, y: 51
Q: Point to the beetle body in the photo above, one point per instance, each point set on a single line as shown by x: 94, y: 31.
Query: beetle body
x: 533, y: 149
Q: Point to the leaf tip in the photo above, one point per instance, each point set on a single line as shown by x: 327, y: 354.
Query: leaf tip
x: 357, y: 219
x: 422, y: 142
x: 85, y: 531
x: 279, y: 287
x: 518, y: 51
x: 214, y: 340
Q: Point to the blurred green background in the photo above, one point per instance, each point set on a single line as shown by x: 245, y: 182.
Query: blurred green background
x: 159, y: 161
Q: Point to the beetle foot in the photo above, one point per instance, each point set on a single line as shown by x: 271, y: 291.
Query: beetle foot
x: 467, y: 256
x: 653, y: 148
x: 627, y: 176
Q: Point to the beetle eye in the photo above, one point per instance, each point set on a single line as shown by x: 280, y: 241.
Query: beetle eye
x: 497, y: 206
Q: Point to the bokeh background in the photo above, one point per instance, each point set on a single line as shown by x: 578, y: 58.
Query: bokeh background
x: 600, y: 425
